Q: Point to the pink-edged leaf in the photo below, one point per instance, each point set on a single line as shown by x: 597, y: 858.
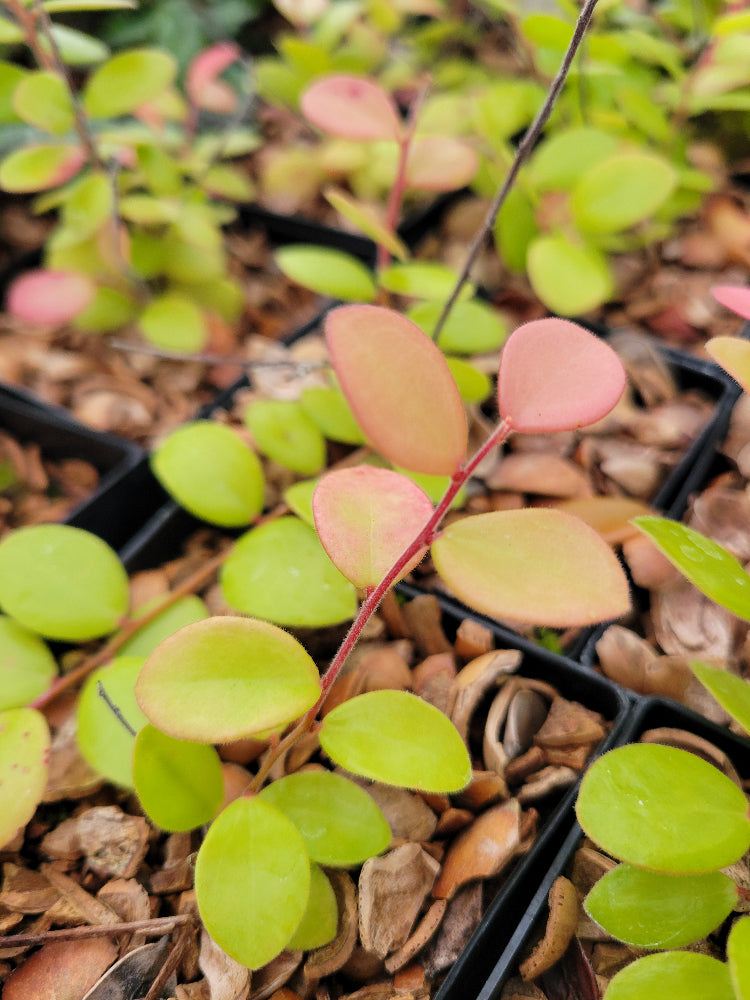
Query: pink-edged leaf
x: 366, y: 517
x: 351, y: 107
x: 556, y: 376
x: 536, y: 565
x: 399, y: 387
x: 440, y: 163
x: 38, y: 168
x: 202, y: 83
x: 736, y: 299
x: 52, y: 297
x: 733, y: 355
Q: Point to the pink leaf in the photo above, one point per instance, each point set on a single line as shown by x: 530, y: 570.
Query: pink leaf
x: 736, y: 299
x: 439, y: 163
x: 351, y: 107
x: 366, y: 517
x: 202, y: 83
x: 399, y: 387
x: 556, y: 376
x: 49, y: 297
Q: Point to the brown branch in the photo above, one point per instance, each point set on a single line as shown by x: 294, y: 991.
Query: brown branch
x: 155, y: 926
x: 170, y: 965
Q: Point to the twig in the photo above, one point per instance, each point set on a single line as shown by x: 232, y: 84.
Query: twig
x: 299, y: 367
x: 522, y: 153
x: 115, y: 710
x: 157, y: 925
x: 169, y: 966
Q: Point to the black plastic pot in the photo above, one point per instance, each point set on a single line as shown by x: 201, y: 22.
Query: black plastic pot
x: 115, y: 510
x: 523, y: 926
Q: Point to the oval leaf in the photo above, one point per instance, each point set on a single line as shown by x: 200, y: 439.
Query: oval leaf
x: 655, y: 910
x: 620, y: 191
x: 733, y: 355
x: 24, y: 763
x: 340, y: 823
x: 50, y: 297
x: 421, y: 279
x: 569, y: 279
x: 738, y: 954
x: 318, y: 925
x: 62, y: 582
x: 37, y: 168
x: 179, y: 784
x: 184, y: 611
x: 731, y: 692
x: 281, y: 572
x: 708, y: 566
x: 556, y: 376
x: 418, y: 423
x: 230, y: 488
x: 174, y: 322
x: 202, y: 83
x: 366, y: 517
x: 351, y: 107
x: 251, y: 865
x: 327, y: 407
x: 327, y: 271
x: 26, y: 665
x: 672, y: 975
x: 282, y: 430
x: 663, y: 808
x: 439, y: 163
x: 736, y: 299
x: 43, y: 99
x: 538, y: 566
x: 395, y: 737
x: 226, y: 678
x: 127, y: 80
x: 471, y: 328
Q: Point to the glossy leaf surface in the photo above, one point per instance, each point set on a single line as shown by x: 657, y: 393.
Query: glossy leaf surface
x: 731, y: 692
x: 104, y: 741
x: 339, y: 822
x: 672, y: 975
x: 62, y: 582
x: 733, y: 355
x: 395, y: 737
x: 26, y: 665
x: 556, y: 376
x: 351, y: 107
x: 226, y: 678
x: 655, y: 910
x: 127, y: 80
x: 366, y: 517
x: 282, y: 430
x: 24, y: 763
x: 621, y: 190
x: 708, y: 566
x: 327, y: 271
x: 663, y: 808
x: 179, y: 783
x: 252, y: 864
x: 54, y: 297
x: 229, y: 491
x: 536, y: 565
x: 319, y: 923
x: 280, y: 571
x: 738, y: 955
x: 377, y: 354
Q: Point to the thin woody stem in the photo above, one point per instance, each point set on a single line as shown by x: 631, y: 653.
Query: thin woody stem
x: 158, y: 925
x: 522, y: 154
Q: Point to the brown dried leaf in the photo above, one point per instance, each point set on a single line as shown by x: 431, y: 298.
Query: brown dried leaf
x: 543, y: 783
x: 424, y: 931
x: 61, y: 970
x: 567, y: 723
x: 461, y: 919
x: 561, y: 926
x: 686, y: 623
x: 332, y: 956
x: 473, y: 639
x: 26, y: 891
x: 407, y: 814
x: 475, y: 679
x: 227, y: 979
x: 481, y: 851
x: 423, y: 618
x: 113, y: 842
x: 90, y: 909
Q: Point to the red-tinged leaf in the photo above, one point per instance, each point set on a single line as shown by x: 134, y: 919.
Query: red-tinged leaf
x: 37, y: 168
x: 366, y: 517
x: 556, y: 376
x: 50, y: 297
x: 733, y: 355
x: 202, y: 83
x: 736, y: 299
x: 439, y: 163
x: 535, y: 565
x: 351, y: 107
x: 399, y: 387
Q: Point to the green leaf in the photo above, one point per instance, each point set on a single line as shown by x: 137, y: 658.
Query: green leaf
x: 514, y: 230
x: 77, y: 48
x: 366, y: 517
x: 283, y: 431
x: 179, y: 784
x: 174, y: 322
x: 24, y: 764
x: 375, y: 353
x: 126, y: 81
x: 10, y: 77
x: 570, y: 279
x: 62, y: 582
x: 731, y: 692
x: 395, y: 737
x: 89, y: 205
x: 435, y: 487
x: 327, y: 271
x: 366, y: 220
x: 43, y: 99
x: 252, y: 881
x: 421, y: 279
x: 663, y: 808
x: 64, y: 6
x: 109, y: 310
x: 26, y: 665
x: 499, y: 563
x: 738, y: 955
x: 318, y: 925
x: 281, y: 572
x: 103, y: 740
x: 471, y: 328
x: 655, y: 910
x: 672, y: 975
x: 299, y: 498
x: 10, y: 33
x: 148, y: 211
x: 185, y: 611
x: 229, y: 491
x: 708, y: 566
x: 225, y: 678
x: 620, y: 191
x: 562, y: 157
x: 327, y: 407
x: 340, y: 823
x: 36, y: 168
x: 473, y: 385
